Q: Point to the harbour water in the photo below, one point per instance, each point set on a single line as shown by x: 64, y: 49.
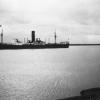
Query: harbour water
x: 48, y: 74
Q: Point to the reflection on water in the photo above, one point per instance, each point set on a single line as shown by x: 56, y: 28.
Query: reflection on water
x: 49, y: 73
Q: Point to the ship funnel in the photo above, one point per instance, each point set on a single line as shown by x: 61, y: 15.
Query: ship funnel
x: 33, y: 36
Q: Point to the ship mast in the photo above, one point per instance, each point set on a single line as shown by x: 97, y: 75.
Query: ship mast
x: 55, y: 36
x: 1, y: 34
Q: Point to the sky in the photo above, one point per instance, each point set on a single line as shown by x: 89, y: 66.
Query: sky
x: 77, y: 19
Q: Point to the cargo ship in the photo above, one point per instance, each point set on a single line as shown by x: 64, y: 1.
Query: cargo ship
x: 34, y: 43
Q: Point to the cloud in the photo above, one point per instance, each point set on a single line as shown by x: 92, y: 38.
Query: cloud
x: 76, y: 17
x: 87, y: 13
x: 70, y: 12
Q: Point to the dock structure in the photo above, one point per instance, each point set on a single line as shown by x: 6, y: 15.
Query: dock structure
x: 88, y: 94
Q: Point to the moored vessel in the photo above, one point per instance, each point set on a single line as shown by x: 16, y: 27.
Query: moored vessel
x: 34, y: 43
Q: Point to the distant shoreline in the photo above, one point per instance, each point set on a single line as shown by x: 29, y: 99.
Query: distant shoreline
x: 84, y: 44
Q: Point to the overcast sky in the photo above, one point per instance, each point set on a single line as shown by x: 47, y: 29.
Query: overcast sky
x: 75, y: 17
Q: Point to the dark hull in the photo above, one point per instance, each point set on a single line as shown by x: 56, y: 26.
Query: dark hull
x: 31, y: 46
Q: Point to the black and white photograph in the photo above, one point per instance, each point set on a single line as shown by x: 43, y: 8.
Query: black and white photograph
x: 49, y: 49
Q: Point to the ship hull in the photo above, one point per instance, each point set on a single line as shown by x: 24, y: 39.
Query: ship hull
x: 31, y: 46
